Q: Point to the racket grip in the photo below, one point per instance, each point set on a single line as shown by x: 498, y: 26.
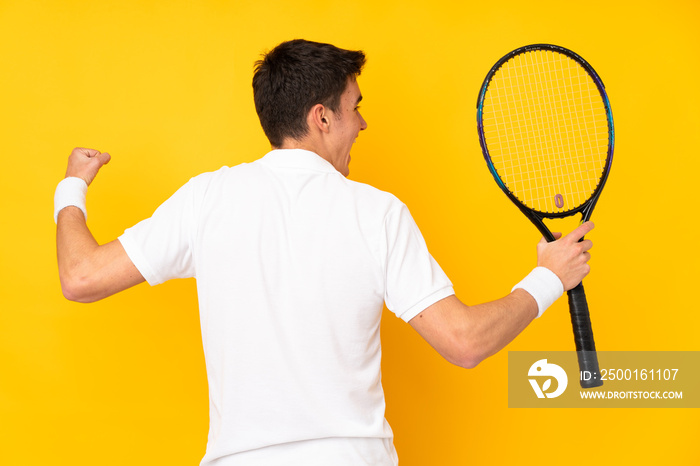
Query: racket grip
x: 583, y: 337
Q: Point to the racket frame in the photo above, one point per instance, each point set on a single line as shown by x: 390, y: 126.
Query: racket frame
x: 536, y: 216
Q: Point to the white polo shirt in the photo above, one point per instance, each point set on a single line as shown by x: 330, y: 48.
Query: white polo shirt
x: 293, y: 264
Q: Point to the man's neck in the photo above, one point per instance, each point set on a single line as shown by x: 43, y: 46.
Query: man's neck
x: 304, y: 144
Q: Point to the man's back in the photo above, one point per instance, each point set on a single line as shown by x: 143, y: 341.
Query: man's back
x: 293, y: 264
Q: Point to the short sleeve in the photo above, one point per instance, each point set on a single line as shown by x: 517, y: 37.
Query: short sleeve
x: 161, y: 246
x: 414, y: 280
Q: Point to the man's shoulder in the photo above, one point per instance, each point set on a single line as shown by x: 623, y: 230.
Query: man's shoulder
x: 374, y: 196
x: 223, y: 173
x: 369, y: 190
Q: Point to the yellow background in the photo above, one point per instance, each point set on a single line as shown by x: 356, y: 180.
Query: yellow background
x: 165, y: 88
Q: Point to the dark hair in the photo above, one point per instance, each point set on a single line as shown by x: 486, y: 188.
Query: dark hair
x: 293, y: 77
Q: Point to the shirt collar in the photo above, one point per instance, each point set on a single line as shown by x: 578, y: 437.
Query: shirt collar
x: 298, y: 158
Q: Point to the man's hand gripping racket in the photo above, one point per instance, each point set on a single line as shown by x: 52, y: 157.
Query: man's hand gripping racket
x: 546, y: 132
x: 568, y: 257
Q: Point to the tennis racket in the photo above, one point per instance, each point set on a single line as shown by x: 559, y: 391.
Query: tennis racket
x: 546, y: 131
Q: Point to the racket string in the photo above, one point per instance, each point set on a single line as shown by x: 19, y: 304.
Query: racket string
x: 546, y: 131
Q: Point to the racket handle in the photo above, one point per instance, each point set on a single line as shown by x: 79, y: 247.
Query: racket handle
x: 583, y: 336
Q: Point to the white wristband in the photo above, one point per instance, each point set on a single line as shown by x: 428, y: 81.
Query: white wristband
x: 544, y: 286
x: 70, y: 191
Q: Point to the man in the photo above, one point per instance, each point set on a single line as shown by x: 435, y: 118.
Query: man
x: 293, y: 263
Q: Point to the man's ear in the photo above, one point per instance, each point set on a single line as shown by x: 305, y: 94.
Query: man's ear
x: 319, y: 117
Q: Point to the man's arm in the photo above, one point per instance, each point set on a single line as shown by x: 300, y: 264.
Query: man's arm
x: 466, y: 335
x: 89, y: 271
